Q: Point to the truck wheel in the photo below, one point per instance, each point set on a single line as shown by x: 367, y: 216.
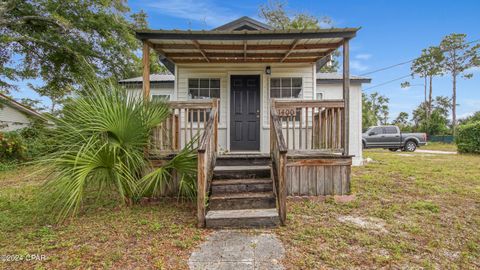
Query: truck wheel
x: 393, y: 149
x: 410, y: 146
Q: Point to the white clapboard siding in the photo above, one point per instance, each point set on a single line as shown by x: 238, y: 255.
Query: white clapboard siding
x: 12, y: 119
x: 223, y: 71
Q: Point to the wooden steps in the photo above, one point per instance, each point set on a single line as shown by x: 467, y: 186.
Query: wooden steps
x: 242, y: 193
x: 244, y: 218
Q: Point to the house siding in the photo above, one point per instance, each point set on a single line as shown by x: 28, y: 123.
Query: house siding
x: 12, y: 119
x: 334, y: 90
x: 224, y: 71
x: 167, y: 89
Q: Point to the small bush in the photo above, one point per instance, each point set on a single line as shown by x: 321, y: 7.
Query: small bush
x: 11, y: 146
x: 468, y: 138
x: 38, y: 140
x: 26, y: 144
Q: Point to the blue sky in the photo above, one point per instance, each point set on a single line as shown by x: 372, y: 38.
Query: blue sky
x: 392, y: 32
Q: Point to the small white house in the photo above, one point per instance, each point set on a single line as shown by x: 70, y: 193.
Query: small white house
x: 329, y: 86
x: 249, y: 93
x: 14, y: 115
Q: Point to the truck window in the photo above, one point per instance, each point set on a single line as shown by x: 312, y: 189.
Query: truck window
x: 377, y: 130
x: 391, y: 130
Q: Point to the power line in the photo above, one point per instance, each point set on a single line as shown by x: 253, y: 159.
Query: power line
x: 388, y: 67
x: 406, y: 62
x: 387, y: 82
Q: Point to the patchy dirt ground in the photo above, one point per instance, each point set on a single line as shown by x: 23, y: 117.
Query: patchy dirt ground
x: 408, y: 213
x: 159, y: 235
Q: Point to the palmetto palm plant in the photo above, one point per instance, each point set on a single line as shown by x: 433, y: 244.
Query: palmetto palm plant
x: 101, y: 140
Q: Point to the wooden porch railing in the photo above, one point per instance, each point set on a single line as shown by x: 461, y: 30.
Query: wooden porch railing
x: 207, y: 153
x: 311, y: 124
x: 308, y: 127
x: 278, y: 153
x: 193, y: 121
x: 187, y: 121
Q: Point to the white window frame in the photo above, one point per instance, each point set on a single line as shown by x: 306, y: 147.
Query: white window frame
x: 291, y: 87
x: 209, y: 87
x: 209, y: 92
x: 169, y: 96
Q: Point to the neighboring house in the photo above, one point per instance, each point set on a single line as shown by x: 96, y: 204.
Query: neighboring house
x: 14, y: 115
x: 161, y: 85
x: 248, y: 93
x: 328, y: 87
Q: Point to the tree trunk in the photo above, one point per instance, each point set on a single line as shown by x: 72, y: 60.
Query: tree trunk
x: 429, y: 112
x: 425, y: 90
x: 52, y: 108
x: 454, y: 105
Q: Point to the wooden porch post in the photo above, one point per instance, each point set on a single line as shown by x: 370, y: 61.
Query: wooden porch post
x: 346, y: 97
x: 146, y: 70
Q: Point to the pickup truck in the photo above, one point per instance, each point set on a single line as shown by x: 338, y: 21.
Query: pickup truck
x: 390, y: 137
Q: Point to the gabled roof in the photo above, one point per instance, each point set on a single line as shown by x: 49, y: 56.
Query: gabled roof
x: 17, y: 105
x: 243, y: 23
x: 329, y: 77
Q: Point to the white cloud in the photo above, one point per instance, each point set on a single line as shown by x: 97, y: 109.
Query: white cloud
x: 358, y: 65
x: 363, y: 56
x: 205, y: 11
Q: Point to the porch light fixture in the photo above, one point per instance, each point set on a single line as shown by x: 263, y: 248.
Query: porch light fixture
x: 268, y: 70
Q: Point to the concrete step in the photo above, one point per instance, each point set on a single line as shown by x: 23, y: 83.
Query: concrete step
x: 241, y: 185
x: 243, y: 160
x: 241, y: 172
x: 243, y: 200
x: 245, y: 218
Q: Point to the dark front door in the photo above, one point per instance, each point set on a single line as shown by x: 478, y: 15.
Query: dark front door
x: 245, y: 113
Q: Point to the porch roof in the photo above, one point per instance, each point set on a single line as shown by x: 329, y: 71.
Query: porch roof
x: 246, y: 46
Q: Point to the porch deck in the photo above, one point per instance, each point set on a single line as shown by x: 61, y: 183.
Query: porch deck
x: 307, y: 158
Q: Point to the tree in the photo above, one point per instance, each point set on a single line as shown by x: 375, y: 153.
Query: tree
x: 274, y: 12
x: 470, y: 119
x: 459, y: 56
x: 64, y: 42
x: 33, y: 103
x: 374, y: 109
x: 141, y: 23
x: 437, y: 122
x: 428, y: 65
x: 401, y: 120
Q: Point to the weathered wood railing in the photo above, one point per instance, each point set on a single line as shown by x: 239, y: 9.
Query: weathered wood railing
x: 311, y: 124
x: 207, y: 152
x: 278, y: 153
x: 187, y: 121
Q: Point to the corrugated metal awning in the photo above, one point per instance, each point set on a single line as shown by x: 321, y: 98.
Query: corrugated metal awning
x: 266, y: 46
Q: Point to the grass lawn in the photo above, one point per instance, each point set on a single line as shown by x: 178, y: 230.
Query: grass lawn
x: 154, y: 236
x: 411, y: 210
x: 440, y: 146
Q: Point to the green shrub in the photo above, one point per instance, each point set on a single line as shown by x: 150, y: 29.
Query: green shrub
x: 8, y: 165
x: 468, y: 138
x: 11, y: 146
x: 100, y: 141
x: 26, y: 144
x: 38, y: 140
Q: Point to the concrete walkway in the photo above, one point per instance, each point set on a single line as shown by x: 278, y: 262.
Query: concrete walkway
x: 230, y: 249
